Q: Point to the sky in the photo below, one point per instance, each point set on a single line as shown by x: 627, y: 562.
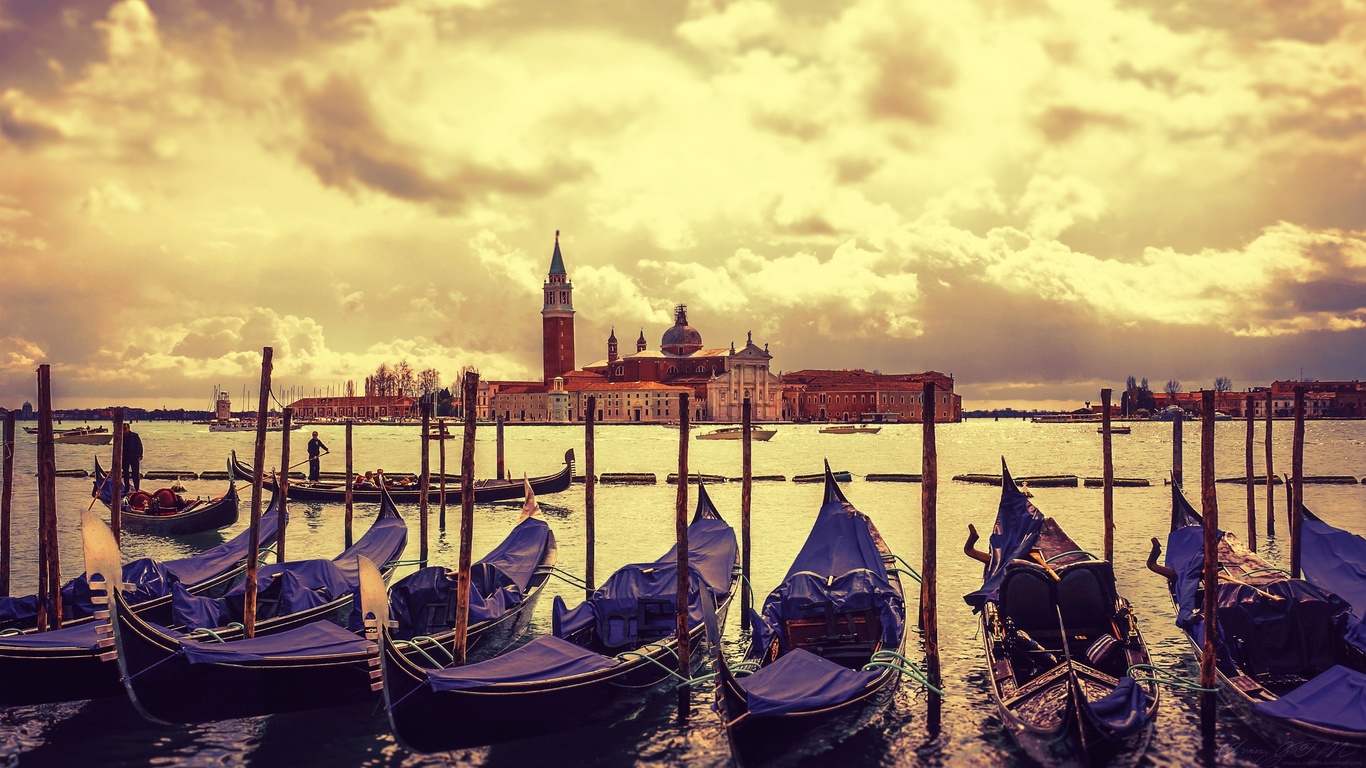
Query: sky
x: 1040, y: 197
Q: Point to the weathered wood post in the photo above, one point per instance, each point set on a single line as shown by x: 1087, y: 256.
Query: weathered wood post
x: 1107, y: 481
x: 929, y: 565
x: 254, y: 529
x: 424, y: 483
x: 441, y: 451
x: 1177, y: 474
x: 116, y: 475
x: 746, y: 489
x: 681, y: 526
x: 502, y: 468
x: 590, y: 487
x: 6, y: 499
x: 462, y: 589
x: 1270, y: 473
x: 351, y: 485
x: 286, y: 424
x: 1210, y: 511
x: 1251, y: 484
x: 1297, y: 485
x: 49, y: 566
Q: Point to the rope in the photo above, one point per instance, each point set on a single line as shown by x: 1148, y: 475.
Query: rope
x: 433, y: 641
x: 424, y: 654
x: 11, y: 632
x: 568, y: 578
x: 740, y: 571
x: 913, y: 572
x: 1165, y: 677
x: 625, y: 654
x: 397, y: 563
x: 1256, y: 571
x: 209, y: 633
x: 910, y: 669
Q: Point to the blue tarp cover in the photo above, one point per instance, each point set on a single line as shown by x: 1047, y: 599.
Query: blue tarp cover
x: 1186, y: 555
x: 213, y: 562
x: 1333, y: 699
x: 1120, y: 713
x: 498, y: 583
x: 79, y: 636
x: 800, y: 681
x: 1017, y: 528
x: 545, y: 658
x: 1335, y: 560
x: 316, y: 639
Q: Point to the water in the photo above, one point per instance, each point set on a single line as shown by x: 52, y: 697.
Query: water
x: 636, y: 523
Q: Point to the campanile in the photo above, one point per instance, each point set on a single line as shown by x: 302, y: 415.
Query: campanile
x: 557, y: 319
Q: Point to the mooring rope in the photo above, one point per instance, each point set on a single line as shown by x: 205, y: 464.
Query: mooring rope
x: 1161, y: 676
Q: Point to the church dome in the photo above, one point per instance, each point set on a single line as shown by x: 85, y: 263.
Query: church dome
x: 681, y: 339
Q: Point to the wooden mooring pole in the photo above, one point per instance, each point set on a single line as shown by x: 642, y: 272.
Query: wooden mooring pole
x: 502, y: 467
x: 746, y: 491
x: 286, y: 424
x: 929, y: 553
x: 6, y: 499
x: 590, y: 487
x: 424, y: 483
x: 1297, y: 485
x: 351, y: 484
x: 254, y: 528
x: 116, y: 477
x: 1107, y: 482
x: 1270, y: 473
x: 681, y: 526
x: 1177, y: 474
x: 1210, y: 511
x: 49, y: 567
x: 462, y: 590
x: 1251, y: 484
x: 441, y: 459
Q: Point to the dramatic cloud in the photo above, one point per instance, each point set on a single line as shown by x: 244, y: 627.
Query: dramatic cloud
x: 1040, y: 197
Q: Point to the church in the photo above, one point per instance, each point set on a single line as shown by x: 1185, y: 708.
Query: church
x: 639, y: 387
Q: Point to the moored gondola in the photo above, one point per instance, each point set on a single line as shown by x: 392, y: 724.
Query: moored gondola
x: 305, y: 649
x: 72, y: 663
x: 496, y: 489
x: 604, y: 660
x: 826, y: 653
x: 1289, y: 661
x: 1060, y: 642
x: 166, y: 513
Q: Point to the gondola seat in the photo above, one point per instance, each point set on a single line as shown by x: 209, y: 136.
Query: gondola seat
x: 652, y: 620
x: 847, y: 637
x: 1086, y: 597
x: 1028, y: 601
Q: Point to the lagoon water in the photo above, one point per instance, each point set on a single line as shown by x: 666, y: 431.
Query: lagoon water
x: 636, y: 523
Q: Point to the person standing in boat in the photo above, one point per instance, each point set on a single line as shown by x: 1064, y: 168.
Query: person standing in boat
x: 132, y: 459
x: 315, y: 451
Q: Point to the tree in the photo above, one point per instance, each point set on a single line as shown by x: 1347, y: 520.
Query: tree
x: 1172, y: 388
x: 405, y: 381
x: 429, y: 382
x: 1223, y: 384
x: 384, y: 382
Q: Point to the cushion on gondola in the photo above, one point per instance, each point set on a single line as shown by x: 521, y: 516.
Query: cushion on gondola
x: 1121, y: 713
x: 628, y: 607
x: 544, y: 658
x: 799, y: 681
x: 1086, y: 597
x: 1028, y: 599
x: 318, y: 638
x: 1334, y: 699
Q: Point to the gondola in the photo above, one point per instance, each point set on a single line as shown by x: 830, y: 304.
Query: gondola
x: 166, y: 513
x: 1288, y: 665
x: 298, y: 659
x: 605, y: 657
x: 484, y: 490
x: 66, y: 664
x: 1060, y: 642
x: 825, y: 654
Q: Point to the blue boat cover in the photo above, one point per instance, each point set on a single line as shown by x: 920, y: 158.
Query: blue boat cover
x: 1186, y: 555
x: 79, y: 636
x: 1335, y: 560
x: 1334, y: 699
x: 302, y: 584
x: 424, y: 602
x: 145, y: 578
x: 1120, y: 713
x: 317, y: 639
x: 646, y: 593
x: 839, y: 565
x: 1017, y: 527
x: 800, y: 681
x: 545, y: 658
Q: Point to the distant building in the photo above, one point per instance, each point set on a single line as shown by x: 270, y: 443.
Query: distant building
x: 367, y: 408
x: 26, y: 411
x: 859, y: 395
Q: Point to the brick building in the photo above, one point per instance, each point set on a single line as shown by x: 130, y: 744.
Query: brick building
x: 369, y: 408
x: 859, y: 395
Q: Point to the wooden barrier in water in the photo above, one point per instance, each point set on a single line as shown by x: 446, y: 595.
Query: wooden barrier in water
x: 628, y: 478
x: 1118, y: 482
x: 841, y: 476
x: 254, y: 525
x: 893, y: 477
x: 695, y: 478
x: 171, y: 474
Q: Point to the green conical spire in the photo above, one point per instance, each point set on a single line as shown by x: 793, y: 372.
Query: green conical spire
x: 557, y: 261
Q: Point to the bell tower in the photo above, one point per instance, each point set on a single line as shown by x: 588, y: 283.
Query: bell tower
x: 557, y: 319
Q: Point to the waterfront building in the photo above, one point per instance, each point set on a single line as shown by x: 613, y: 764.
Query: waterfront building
x: 368, y: 408
x: 859, y: 395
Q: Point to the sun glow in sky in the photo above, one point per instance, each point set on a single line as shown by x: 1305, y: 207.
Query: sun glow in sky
x: 1041, y: 197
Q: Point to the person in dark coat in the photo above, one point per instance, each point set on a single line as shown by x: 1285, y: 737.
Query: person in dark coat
x: 315, y: 451
x: 132, y: 459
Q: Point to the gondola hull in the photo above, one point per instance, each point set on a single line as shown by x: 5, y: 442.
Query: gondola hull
x: 49, y: 675
x: 203, y: 516
x: 484, y: 490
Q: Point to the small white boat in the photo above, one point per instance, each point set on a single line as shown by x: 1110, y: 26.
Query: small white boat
x: 735, y: 433
x: 850, y: 429
x: 96, y: 436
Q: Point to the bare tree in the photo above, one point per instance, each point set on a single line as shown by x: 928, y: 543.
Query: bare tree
x: 429, y: 381
x: 405, y: 381
x: 1223, y: 384
x: 1172, y: 388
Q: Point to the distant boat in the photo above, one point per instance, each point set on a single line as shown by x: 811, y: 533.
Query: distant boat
x: 273, y: 424
x: 735, y: 433
x: 96, y: 436
x: 850, y: 429
x: 1114, y: 430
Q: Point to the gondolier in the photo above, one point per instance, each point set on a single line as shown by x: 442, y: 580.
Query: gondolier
x: 132, y: 459
x: 315, y: 451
